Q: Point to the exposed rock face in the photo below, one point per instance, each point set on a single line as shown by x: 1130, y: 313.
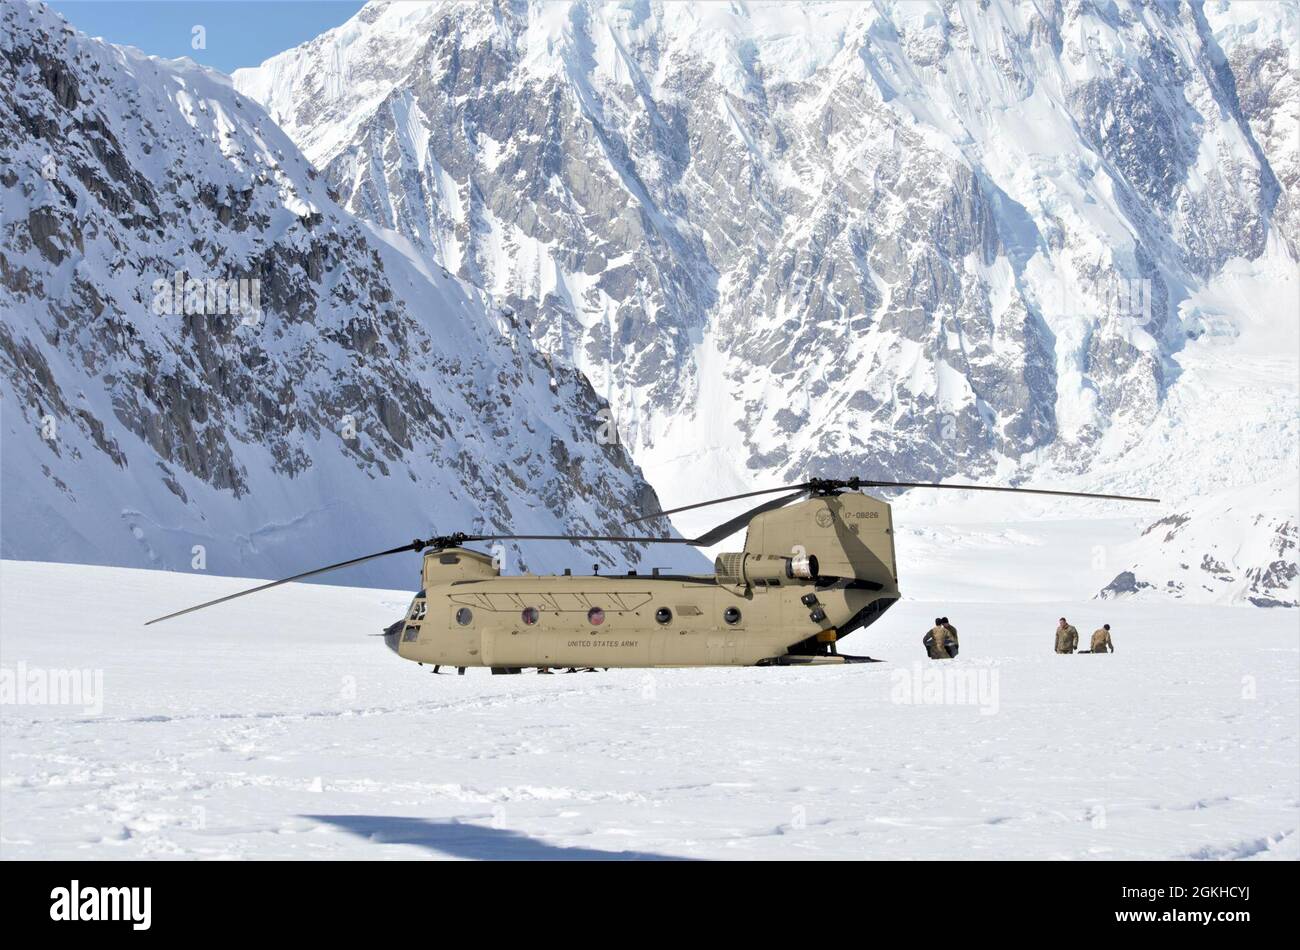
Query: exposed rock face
x: 205, y: 362
x: 1255, y: 47
x: 1125, y: 582
x: 1230, y: 550
x: 892, y: 239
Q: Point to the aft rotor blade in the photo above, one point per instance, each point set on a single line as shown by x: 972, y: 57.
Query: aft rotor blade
x: 1029, y: 491
x: 717, y: 501
x: 413, y: 546
x: 582, y: 537
x: 710, y: 537
x: 828, y: 485
x: 728, y: 528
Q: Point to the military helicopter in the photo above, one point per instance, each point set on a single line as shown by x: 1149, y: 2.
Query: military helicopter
x: 816, y: 565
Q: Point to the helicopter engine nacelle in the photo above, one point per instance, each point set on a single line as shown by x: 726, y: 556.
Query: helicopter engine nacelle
x: 742, y: 569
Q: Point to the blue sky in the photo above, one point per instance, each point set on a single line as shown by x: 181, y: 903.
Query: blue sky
x: 236, y: 32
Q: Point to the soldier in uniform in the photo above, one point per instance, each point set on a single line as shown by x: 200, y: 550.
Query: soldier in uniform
x: 1101, y: 640
x: 940, y: 644
x: 1067, y: 637
x: 928, y: 641
x: 952, y: 632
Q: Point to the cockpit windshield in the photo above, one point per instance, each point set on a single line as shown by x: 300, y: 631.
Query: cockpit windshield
x: 419, y: 607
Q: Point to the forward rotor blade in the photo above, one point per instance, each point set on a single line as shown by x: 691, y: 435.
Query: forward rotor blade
x: 1029, y: 491
x: 413, y: 546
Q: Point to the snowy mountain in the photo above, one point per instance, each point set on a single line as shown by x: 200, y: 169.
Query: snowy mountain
x: 1023, y: 242
x: 1234, y: 549
x: 206, y: 363
x: 895, y: 239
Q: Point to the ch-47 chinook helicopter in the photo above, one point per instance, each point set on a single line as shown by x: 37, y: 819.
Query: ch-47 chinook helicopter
x: 817, y: 564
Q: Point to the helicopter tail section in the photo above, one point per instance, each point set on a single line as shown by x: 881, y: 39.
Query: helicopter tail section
x: 846, y: 541
x: 850, y: 536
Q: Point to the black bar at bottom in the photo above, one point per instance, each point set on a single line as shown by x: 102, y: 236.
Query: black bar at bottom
x: 326, y: 901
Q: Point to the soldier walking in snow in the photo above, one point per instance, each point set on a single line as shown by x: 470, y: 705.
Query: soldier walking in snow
x: 1101, y: 642
x: 1067, y: 637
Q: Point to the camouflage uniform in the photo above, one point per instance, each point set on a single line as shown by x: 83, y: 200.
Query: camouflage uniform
x: 1067, y: 638
x: 940, y: 642
x: 1101, y: 641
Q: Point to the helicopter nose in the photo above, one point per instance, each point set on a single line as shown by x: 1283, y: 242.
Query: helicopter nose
x: 392, y: 634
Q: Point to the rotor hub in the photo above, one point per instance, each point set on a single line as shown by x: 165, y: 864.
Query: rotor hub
x: 822, y: 487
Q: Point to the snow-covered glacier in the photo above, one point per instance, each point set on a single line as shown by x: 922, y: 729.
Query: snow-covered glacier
x: 270, y: 729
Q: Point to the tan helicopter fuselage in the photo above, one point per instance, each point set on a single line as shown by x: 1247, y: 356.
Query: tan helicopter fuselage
x: 808, y: 574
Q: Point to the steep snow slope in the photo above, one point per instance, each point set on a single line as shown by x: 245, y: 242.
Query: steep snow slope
x: 884, y: 218
x: 1234, y: 548
x: 362, y: 399
x: 275, y: 729
x: 894, y: 239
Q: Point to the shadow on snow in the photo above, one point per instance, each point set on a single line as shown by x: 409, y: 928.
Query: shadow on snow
x: 478, y: 842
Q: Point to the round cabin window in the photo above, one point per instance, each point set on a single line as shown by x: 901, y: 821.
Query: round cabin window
x: 464, y: 616
x: 596, y: 616
x: 529, y: 615
x: 664, y: 615
x: 731, y: 615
